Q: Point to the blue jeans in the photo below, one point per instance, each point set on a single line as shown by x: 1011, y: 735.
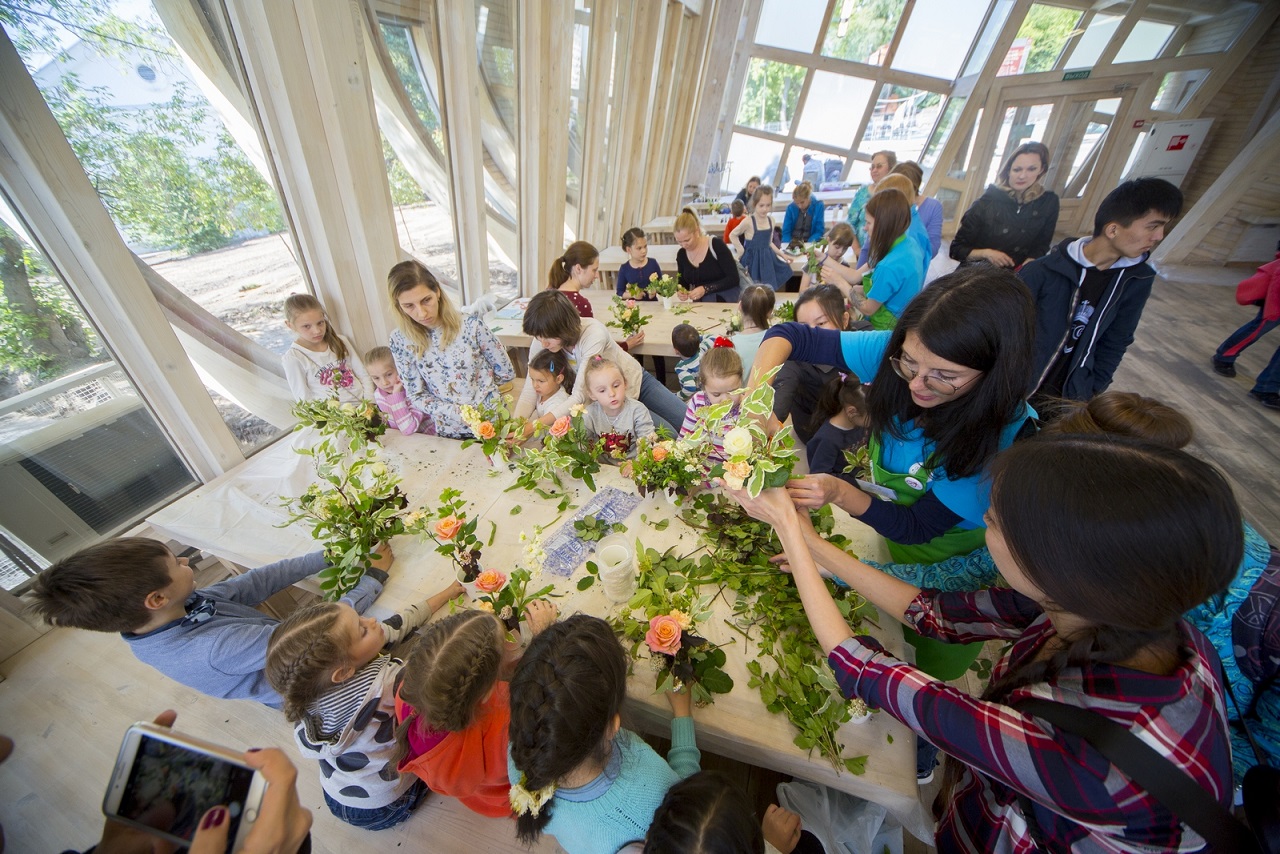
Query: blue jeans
x: 382, y: 817
x: 1269, y: 379
x: 667, y: 409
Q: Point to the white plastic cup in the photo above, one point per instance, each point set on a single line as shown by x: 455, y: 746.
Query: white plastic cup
x: 617, y: 568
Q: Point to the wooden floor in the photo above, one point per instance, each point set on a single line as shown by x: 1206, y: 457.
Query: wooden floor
x: 69, y: 696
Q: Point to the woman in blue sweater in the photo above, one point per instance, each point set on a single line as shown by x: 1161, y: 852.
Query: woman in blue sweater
x: 944, y: 399
x: 897, y: 268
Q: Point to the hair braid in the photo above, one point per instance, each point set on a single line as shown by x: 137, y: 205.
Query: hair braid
x: 302, y: 655
x: 565, y: 694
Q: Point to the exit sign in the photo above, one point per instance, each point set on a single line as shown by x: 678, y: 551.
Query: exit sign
x: 1077, y: 75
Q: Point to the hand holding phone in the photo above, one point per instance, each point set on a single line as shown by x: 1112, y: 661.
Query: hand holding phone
x: 282, y: 823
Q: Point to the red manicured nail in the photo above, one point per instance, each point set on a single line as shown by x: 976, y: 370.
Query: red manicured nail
x: 214, y: 818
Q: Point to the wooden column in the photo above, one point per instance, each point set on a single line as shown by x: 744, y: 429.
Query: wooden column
x: 307, y: 74
x: 461, y: 92
x: 694, y: 97
x: 653, y: 160
x: 648, y: 22
x: 544, y: 42
x: 718, y: 67
x: 43, y: 180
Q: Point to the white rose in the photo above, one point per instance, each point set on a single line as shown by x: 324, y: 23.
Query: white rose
x: 738, y: 442
x: 378, y: 469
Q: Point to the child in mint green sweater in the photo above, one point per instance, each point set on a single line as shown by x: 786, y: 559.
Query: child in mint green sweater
x: 575, y: 773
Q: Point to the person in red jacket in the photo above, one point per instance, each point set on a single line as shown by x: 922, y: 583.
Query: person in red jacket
x: 1263, y: 290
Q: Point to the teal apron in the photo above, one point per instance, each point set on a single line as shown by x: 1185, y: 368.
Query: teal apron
x: 882, y: 318
x: 940, y: 660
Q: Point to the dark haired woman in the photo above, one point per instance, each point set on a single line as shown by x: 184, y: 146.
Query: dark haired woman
x: 1013, y: 221
x: 554, y: 324
x: 1099, y: 577
x: 576, y: 269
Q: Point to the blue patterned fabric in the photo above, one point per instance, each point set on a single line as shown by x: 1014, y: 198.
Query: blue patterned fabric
x: 565, y: 550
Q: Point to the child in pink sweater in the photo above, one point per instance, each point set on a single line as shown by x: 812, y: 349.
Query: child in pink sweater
x: 390, y: 396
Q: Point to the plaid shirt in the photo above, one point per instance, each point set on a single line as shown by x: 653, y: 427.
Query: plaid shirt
x: 1083, y: 803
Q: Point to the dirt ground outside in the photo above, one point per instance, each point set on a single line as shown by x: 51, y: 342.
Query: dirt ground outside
x: 245, y: 286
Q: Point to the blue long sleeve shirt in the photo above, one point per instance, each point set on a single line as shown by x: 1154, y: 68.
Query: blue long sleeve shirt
x: 224, y: 654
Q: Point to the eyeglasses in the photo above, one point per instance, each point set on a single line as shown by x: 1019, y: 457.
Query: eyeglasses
x: 937, y: 385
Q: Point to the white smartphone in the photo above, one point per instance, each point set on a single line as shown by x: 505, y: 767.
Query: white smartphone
x: 164, y: 782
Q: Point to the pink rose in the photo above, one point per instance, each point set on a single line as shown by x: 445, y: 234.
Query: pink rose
x: 490, y: 581
x: 561, y: 426
x: 448, y: 527
x: 664, y: 634
x: 631, y: 303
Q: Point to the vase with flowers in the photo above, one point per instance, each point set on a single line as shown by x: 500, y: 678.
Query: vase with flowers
x: 754, y: 460
x: 667, y: 466
x: 665, y: 287
x: 627, y: 316
x: 448, y: 526
x: 507, y: 596
x: 493, y: 428
x: 355, y: 505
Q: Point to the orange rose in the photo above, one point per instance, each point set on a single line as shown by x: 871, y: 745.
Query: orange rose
x: 486, y: 430
x: 664, y: 634
x: 448, y: 527
x: 561, y: 426
x: 659, y: 454
x: 490, y: 581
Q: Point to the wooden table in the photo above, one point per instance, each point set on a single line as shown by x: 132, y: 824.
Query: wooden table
x: 736, y: 725
x: 613, y: 257
x: 658, y: 230
x: 710, y: 318
x: 827, y: 197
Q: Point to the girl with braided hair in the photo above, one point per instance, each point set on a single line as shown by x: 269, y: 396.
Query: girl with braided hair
x: 453, y: 710
x: 1105, y: 546
x: 575, y: 773
x: 327, y: 662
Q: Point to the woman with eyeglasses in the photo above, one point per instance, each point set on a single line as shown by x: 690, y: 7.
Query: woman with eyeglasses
x: 947, y: 392
x: 948, y: 388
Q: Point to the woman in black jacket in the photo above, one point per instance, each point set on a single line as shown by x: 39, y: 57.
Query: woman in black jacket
x: 1013, y: 222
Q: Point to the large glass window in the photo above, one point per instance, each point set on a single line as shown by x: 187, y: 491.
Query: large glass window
x: 1040, y: 40
x: 901, y: 121
x: 770, y: 96
x: 1177, y: 88
x: 833, y: 108
x: 938, y: 36
x: 950, y: 114
x: 861, y: 30
x: 751, y: 155
x: 982, y: 47
x: 790, y: 24
x: 1217, y: 33
x: 1093, y: 41
x: 1145, y: 41
x: 81, y: 456
x: 185, y: 194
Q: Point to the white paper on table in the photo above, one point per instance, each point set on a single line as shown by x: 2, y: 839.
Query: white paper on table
x: 232, y: 524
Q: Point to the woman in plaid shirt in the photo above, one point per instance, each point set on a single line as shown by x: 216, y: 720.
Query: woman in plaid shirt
x: 1104, y: 544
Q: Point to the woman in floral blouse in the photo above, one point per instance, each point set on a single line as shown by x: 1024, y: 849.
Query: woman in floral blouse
x: 445, y: 359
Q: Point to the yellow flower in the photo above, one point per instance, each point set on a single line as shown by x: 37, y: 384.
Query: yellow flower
x: 524, y: 801
x: 484, y: 605
x: 682, y: 618
x: 653, y: 277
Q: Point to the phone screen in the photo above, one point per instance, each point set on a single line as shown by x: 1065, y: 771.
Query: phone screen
x: 170, y: 787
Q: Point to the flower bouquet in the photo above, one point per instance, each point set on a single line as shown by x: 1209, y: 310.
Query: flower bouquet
x: 507, y: 596
x: 817, y: 256
x: 356, y: 505
x: 492, y: 426
x: 754, y: 460
x: 566, y: 447
x: 359, y: 422
x: 453, y: 533
x: 669, y: 612
x: 615, y: 446
x: 785, y: 312
x: 627, y: 316
x: 665, y: 465
x: 665, y: 287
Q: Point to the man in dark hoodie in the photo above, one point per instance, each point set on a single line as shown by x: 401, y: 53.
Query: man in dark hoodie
x: 1089, y: 292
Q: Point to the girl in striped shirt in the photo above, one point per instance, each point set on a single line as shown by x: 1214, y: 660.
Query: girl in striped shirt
x: 338, y: 686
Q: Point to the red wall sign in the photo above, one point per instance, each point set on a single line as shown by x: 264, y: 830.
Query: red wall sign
x: 1177, y: 143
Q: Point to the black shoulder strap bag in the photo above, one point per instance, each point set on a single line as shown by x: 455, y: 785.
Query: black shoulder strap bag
x: 1166, y: 782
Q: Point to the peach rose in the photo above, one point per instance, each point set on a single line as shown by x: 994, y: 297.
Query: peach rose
x: 561, y: 426
x: 490, y: 581
x: 659, y: 454
x: 448, y: 527
x: 486, y: 430
x: 664, y: 634
x: 631, y: 303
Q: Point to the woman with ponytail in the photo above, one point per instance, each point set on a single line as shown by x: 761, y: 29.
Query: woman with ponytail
x: 576, y: 269
x: 575, y: 772
x: 1105, y: 545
